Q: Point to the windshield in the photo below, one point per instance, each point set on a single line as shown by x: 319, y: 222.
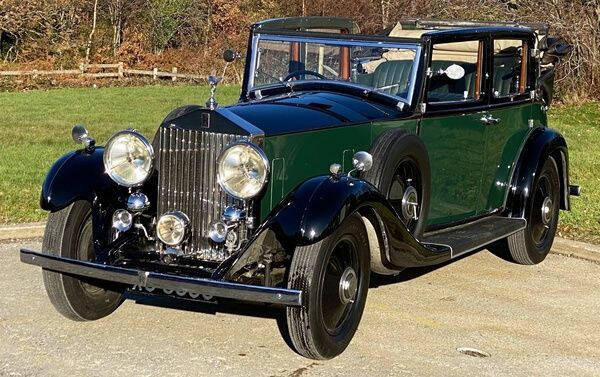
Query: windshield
x: 385, y: 67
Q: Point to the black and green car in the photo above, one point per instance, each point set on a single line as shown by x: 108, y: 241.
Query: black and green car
x: 347, y: 155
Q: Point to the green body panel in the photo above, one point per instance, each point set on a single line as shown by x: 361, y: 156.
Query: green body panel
x: 297, y: 157
x: 456, y: 145
x: 503, y: 145
x: 471, y: 163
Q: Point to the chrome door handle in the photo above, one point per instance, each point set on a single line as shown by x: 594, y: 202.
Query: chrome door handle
x: 489, y: 120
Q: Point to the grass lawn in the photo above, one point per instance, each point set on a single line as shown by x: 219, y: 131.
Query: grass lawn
x: 35, y: 130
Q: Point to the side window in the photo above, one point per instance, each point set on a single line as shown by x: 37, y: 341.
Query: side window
x: 510, y: 67
x: 456, y: 71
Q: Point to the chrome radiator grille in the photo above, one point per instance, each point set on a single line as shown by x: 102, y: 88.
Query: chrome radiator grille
x: 187, y: 182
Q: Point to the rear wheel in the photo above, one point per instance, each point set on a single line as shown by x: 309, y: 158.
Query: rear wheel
x: 532, y: 244
x: 69, y: 234
x: 333, y: 275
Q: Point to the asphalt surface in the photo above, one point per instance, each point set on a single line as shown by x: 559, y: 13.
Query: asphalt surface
x: 530, y: 320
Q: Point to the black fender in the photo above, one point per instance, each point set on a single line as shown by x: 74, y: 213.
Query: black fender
x: 80, y: 175
x: 317, y: 207
x: 541, y: 144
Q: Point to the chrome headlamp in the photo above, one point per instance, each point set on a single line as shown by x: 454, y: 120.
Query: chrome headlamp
x: 242, y: 170
x: 128, y: 158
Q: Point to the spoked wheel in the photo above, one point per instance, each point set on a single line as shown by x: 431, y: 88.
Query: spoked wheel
x: 333, y: 275
x: 406, y: 192
x: 532, y: 244
x: 69, y: 234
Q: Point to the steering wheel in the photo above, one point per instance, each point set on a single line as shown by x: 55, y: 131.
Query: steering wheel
x: 300, y: 72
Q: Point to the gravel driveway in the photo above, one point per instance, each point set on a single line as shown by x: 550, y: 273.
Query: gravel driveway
x: 534, y: 320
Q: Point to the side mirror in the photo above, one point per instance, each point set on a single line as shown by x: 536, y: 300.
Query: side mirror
x: 362, y: 161
x: 80, y: 136
x: 229, y: 55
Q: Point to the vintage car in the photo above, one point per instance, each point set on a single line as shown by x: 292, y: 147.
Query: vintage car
x: 346, y: 155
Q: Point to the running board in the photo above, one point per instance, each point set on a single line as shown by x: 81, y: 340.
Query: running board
x: 471, y: 236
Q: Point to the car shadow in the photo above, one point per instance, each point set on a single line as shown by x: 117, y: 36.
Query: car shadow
x: 499, y: 249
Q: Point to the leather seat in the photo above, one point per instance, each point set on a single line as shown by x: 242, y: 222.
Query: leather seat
x: 443, y: 88
x: 392, y: 76
x: 505, y: 75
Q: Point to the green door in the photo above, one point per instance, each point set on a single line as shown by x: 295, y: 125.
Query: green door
x: 456, y: 146
x: 452, y: 128
x: 513, y: 118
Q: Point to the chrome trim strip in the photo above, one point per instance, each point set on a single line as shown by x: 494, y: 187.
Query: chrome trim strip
x: 256, y: 134
x: 217, y: 288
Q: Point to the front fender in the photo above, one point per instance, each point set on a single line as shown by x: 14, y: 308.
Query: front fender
x: 78, y: 175
x: 316, y: 208
x: 541, y: 144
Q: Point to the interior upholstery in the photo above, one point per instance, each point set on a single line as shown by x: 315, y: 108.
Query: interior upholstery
x: 443, y: 88
x: 393, y: 75
x: 506, y: 75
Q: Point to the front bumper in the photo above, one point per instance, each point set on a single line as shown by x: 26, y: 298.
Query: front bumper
x: 216, y: 288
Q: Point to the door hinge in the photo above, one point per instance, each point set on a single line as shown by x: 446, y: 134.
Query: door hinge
x: 423, y: 107
x: 530, y: 123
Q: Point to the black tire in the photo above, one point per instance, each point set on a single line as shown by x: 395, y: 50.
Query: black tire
x: 68, y: 234
x: 392, y: 151
x: 324, y: 326
x: 532, y: 244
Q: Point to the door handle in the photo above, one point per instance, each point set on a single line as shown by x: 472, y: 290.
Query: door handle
x: 489, y: 120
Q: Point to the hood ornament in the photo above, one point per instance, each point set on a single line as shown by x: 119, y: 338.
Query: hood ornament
x: 213, y: 81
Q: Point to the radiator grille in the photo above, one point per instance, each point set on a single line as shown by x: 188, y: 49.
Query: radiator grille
x: 188, y: 183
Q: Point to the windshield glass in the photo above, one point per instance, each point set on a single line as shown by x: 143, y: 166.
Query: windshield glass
x: 385, y: 67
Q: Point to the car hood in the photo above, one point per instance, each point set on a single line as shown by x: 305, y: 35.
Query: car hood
x: 305, y: 111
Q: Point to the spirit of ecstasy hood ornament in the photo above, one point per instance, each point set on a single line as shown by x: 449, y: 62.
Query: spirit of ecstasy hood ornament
x: 213, y: 81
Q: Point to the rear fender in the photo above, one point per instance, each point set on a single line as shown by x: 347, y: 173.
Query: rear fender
x: 316, y: 208
x: 541, y: 144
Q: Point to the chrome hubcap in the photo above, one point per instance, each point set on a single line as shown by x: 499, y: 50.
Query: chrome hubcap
x: 348, y: 286
x: 547, y: 210
x: 410, y: 203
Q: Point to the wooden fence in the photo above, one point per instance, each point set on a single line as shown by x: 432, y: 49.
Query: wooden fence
x: 108, y: 71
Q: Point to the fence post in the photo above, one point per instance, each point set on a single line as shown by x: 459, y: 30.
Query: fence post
x: 174, y: 71
x: 120, y: 70
x: 155, y: 75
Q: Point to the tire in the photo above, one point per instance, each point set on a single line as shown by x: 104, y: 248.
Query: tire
x: 532, y: 244
x: 68, y: 234
x: 324, y: 326
x: 392, y: 151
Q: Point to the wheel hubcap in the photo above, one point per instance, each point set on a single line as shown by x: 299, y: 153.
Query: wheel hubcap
x: 410, y: 202
x: 348, y: 286
x: 547, y: 210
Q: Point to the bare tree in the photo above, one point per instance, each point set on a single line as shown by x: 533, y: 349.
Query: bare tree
x: 91, y: 36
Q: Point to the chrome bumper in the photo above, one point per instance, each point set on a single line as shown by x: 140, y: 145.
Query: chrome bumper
x: 217, y: 288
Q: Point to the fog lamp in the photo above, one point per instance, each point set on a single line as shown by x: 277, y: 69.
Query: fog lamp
x: 218, y: 232
x: 122, y: 220
x: 172, y: 228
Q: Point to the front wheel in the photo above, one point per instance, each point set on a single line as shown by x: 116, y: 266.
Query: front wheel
x: 532, y: 244
x: 69, y: 234
x: 333, y: 275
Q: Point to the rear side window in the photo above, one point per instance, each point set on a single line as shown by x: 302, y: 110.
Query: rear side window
x: 456, y: 70
x: 510, y: 67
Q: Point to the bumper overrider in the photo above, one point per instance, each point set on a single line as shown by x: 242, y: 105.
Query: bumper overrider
x: 147, y: 279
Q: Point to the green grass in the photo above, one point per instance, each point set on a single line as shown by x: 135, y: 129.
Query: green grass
x: 580, y: 126
x: 35, y: 130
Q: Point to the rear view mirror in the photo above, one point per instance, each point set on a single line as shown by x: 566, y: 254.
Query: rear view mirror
x: 454, y: 72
